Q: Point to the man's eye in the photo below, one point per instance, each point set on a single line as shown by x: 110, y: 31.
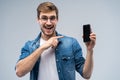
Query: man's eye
x: 44, y: 18
x: 52, y: 18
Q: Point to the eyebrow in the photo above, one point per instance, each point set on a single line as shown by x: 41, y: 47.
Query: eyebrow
x: 48, y: 16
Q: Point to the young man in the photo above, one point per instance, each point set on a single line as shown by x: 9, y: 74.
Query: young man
x: 52, y: 56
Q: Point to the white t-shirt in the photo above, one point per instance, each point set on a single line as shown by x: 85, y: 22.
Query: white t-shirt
x: 47, y: 67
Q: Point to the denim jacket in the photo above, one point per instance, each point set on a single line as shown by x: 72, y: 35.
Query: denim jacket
x: 68, y: 56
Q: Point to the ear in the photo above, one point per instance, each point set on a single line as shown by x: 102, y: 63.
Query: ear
x: 38, y: 20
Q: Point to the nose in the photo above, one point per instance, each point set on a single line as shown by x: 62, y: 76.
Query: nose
x: 48, y: 22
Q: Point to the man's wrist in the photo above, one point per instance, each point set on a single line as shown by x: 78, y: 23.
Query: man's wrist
x: 90, y: 51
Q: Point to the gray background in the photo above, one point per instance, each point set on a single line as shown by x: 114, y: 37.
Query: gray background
x: 18, y: 24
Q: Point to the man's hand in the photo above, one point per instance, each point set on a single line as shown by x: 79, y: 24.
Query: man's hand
x: 52, y: 42
x: 90, y: 45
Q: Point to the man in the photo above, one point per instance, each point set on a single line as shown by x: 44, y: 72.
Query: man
x: 52, y: 56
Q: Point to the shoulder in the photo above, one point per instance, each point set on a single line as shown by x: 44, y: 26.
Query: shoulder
x: 27, y: 44
x: 31, y: 43
x: 68, y: 40
x: 70, y: 43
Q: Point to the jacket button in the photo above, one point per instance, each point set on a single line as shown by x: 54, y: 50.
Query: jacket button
x: 59, y: 71
x: 57, y: 60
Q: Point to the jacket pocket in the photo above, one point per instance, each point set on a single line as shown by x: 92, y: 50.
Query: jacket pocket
x: 68, y: 62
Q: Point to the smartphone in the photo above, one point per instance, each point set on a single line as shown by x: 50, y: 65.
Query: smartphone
x: 86, y: 32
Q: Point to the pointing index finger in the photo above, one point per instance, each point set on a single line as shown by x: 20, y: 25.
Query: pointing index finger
x: 59, y: 37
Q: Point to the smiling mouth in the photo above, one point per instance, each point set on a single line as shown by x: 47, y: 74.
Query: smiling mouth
x: 46, y: 27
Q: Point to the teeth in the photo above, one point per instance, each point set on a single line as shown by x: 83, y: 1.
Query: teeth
x: 48, y: 27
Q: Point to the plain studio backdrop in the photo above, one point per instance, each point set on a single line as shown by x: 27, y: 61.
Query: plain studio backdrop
x: 18, y: 24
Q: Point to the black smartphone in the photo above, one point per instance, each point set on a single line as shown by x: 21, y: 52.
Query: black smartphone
x: 86, y: 32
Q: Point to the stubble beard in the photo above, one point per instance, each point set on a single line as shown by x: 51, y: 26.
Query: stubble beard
x: 48, y: 35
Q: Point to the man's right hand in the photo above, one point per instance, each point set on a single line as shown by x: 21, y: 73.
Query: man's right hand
x: 52, y: 42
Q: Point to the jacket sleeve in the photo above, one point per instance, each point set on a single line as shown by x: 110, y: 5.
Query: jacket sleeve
x: 25, y: 50
x: 79, y: 59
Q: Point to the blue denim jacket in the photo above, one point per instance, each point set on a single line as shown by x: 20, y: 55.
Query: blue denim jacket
x: 68, y: 55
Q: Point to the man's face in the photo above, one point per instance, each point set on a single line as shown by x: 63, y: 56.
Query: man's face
x: 48, y: 23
